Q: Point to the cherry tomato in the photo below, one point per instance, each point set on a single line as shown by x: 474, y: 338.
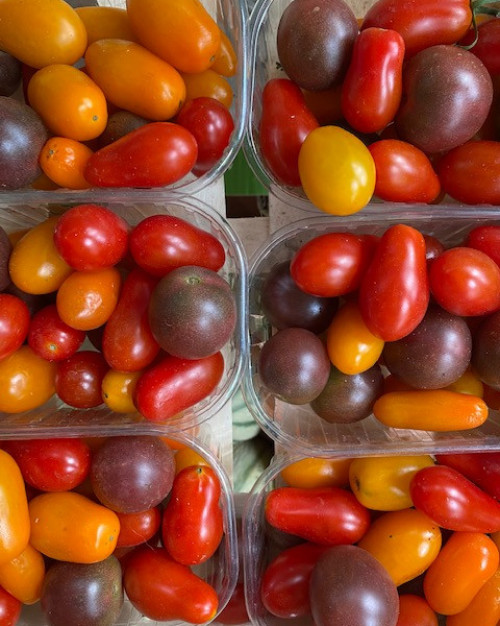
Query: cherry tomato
x: 51, y: 338
x: 15, y: 517
x: 487, y: 46
x: 465, y: 281
x: 470, y: 173
x: 453, y: 501
x: 52, y: 27
x: 57, y: 464
x: 324, y: 515
x: 10, y: 609
x: 415, y: 611
x: 482, y: 468
x: 284, y: 587
x: 404, y: 172
x: 153, y: 155
x: 173, y: 385
x: 26, y: 381
x: 14, y: 323
x: 63, y: 160
x: 192, y: 522
x: 285, y: 123
x: 466, y: 561
x: 406, y: 542
x: 137, y: 528
x: 208, y: 84
x: 79, y: 379
x: 164, y: 590
x: 485, y: 237
x: 105, y: 22
x: 90, y: 237
x: 394, y: 292
x: 235, y: 611
x: 421, y: 24
x: 325, y: 105
x: 226, y: 59
x: 118, y: 390
x: 187, y: 457
x: 87, y: 298
x: 317, y: 472
x: 23, y: 576
x: 484, y: 608
x: 69, y: 102
x: 336, y: 170
x: 372, y: 86
x: 134, y: 79
x: 159, y: 243
x: 180, y: 31
x: 35, y: 265
x: 211, y: 124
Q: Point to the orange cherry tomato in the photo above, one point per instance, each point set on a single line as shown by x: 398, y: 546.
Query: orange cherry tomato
x: 406, y: 542
x: 67, y: 526
x: 317, y: 472
x: 23, y: 576
x: 86, y: 299
x: 226, y: 59
x: 186, y: 457
x: 35, y: 265
x: 118, y: 390
x: 103, y: 22
x: 208, y: 84
x: 484, y: 608
x: 181, y: 32
x: 135, y: 79
x: 466, y: 561
x: 26, y: 381
x: 68, y: 101
x: 41, y: 32
x: 63, y: 160
x: 352, y: 348
x: 415, y: 611
x: 14, y: 516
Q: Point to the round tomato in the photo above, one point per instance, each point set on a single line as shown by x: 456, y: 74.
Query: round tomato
x: 10, y: 609
x: 485, y: 237
x: 90, y: 236
x: 50, y: 337
x: 415, y: 611
x: 79, y: 379
x: 465, y: 281
x: 63, y: 161
x: 336, y: 170
x: 14, y: 323
x: 208, y: 84
x: 211, y: 124
x: 69, y: 102
x: 137, y: 528
x: 118, y: 390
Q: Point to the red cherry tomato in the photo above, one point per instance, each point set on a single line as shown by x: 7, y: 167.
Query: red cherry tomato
x: 211, y: 124
x: 487, y: 46
x: 89, y: 236
x: 10, y: 609
x: 465, y: 281
x: 372, y: 87
x: 235, y: 611
x: 486, y: 238
x: 57, y: 464
x: 137, y: 528
x: 14, y: 323
x: 285, y: 123
x: 50, y: 337
x: 482, y: 468
x: 79, y: 379
x: 394, y: 292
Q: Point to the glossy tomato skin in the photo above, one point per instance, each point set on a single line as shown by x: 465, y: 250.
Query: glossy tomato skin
x: 212, y: 124
x: 10, y: 608
x: 192, y: 523
x: 153, y: 155
x: 89, y: 237
x: 372, y: 87
x: 485, y: 237
x: 137, y: 528
x: 286, y: 121
x: 164, y: 590
x: 482, y: 468
x: 14, y: 323
x: 453, y: 501
x: 173, y: 385
x: 487, y: 47
x: 421, y: 24
x: 50, y: 337
x: 284, y: 586
x: 79, y: 379
x: 415, y: 610
x: 324, y: 515
x: 160, y: 243
x: 57, y: 464
x: 128, y: 343
x: 15, y: 516
x: 394, y: 292
x: 235, y: 611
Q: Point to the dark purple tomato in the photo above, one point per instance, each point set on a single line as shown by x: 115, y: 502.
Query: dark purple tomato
x: 5, y: 250
x: 286, y: 305
x: 486, y: 350
x: 79, y: 379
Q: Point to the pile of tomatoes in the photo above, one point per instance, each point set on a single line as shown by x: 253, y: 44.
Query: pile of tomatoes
x: 95, y: 312
x: 88, y: 522
x: 401, y: 105
x: 432, y: 523
x: 137, y: 96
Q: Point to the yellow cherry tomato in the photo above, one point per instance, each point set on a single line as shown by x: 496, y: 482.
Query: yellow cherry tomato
x: 208, y: 84
x: 336, y: 170
x: 135, y: 79
x: 41, y: 32
x: 352, y: 348
x: 406, y: 542
x: 68, y: 526
x: 226, y: 59
x: 26, y: 381
x: 118, y: 390
x: 383, y: 483
x: 102, y: 22
x: 468, y: 383
x: 68, y: 101
x: 35, y: 265
x: 23, y: 576
x: 186, y: 457
x: 14, y: 516
x: 317, y: 472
